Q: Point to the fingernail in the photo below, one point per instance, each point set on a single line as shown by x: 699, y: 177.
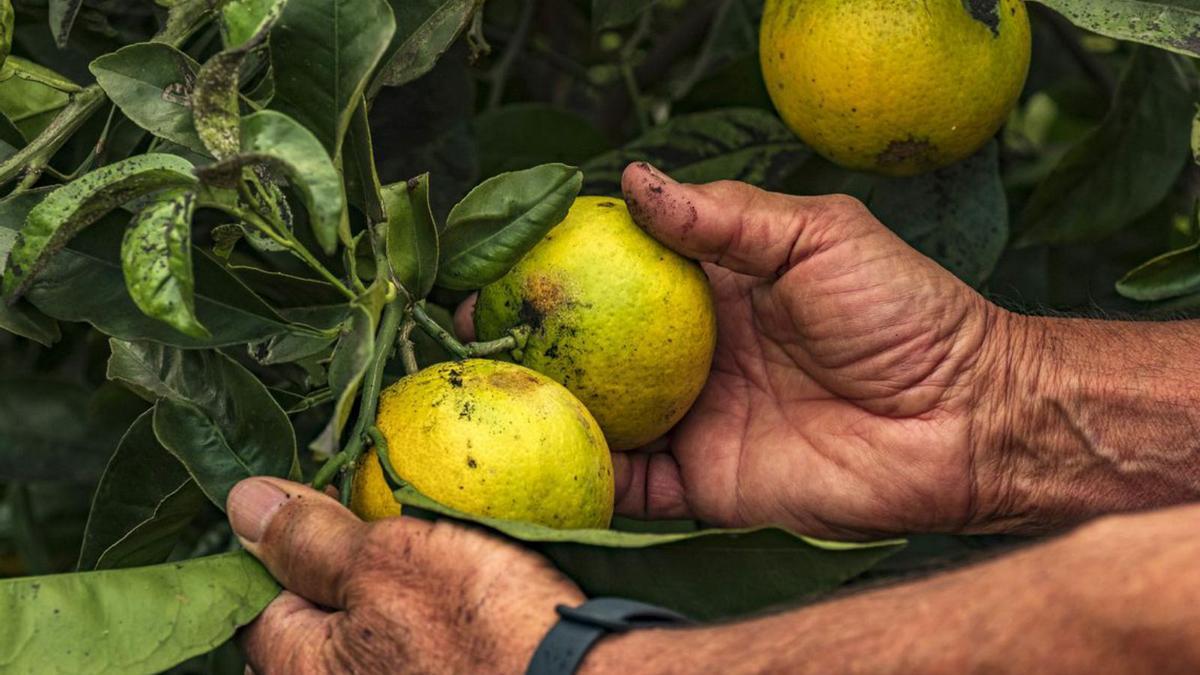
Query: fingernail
x: 251, y: 505
x: 659, y: 174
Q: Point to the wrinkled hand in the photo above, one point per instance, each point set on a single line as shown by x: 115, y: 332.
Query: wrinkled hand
x: 850, y: 376
x: 399, y: 595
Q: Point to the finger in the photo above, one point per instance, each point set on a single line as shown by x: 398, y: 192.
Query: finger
x: 306, y: 539
x: 649, y: 485
x: 738, y: 226
x: 286, y: 636
x: 464, y: 319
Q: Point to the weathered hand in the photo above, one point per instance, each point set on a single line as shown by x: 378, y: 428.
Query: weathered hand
x: 399, y: 595
x: 848, y: 373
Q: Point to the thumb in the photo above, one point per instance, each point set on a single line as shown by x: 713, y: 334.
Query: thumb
x: 306, y: 539
x: 738, y: 226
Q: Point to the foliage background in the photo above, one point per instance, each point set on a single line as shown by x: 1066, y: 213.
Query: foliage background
x: 1091, y: 178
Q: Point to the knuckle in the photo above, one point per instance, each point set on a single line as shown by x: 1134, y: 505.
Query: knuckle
x: 844, y: 205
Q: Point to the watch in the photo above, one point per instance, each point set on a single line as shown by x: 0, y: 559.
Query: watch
x: 579, y: 628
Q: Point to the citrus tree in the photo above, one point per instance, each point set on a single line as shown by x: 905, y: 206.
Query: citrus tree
x: 228, y: 225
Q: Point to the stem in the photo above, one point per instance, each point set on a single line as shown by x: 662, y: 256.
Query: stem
x: 345, y: 460
x: 514, y: 340
x: 40, y: 150
x: 499, y: 76
x: 407, y: 355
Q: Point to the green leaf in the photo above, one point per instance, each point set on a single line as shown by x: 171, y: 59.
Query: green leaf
x: 50, y: 431
x: 349, y: 364
x: 22, y: 318
x: 425, y: 29
x: 69, y: 209
x: 524, y: 135
x: 1169, y: 24
x: 242, y: 20
x: 144, y: 500
x: 31, y: 95
x: 84, y: 282
x: 1168, y: 276
x: 141, y: 620
x: 215, y: 106
x: 323, y: 51
x: 707, y: 574
x: 358, y: 166
x: 616, y: 13
x: 497, y: 223
x: 276, y: 139
x: 958, y: 216
x: 1125, y: 166
x: 62, y: 17
x: 205, y: 403
x: 152, y: 84
x: 156, y: 256
x: 412, y: 236
x: 743, y: 144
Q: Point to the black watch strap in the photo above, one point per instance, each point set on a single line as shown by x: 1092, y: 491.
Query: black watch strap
x: 579, y: 628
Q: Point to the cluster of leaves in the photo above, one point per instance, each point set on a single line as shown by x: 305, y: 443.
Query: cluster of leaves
x: 225, y: 225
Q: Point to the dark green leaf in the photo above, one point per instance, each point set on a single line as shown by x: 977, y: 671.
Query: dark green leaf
x: 425, y: 29
x: 1171, y: 275
x: 358, y: 166
x: 528, y: 134
x: 69, y: 209
x: 48, y: 432
x: 958, y: 216
x: 1169, y: 24
x: 1125, y: 166
x: 21, y: 317
x: 323, y: 51
x: 152, y: 84
x: 500, y: 220
x: 141, y: 620
x: 205, y: 400
x: 62, y: 17
x: 734, y: 144
x: 84, y: 282
x: 144, y: 499
x: 707, y: 574
x: 276, y: 139
x: 616, y: 13
x: 412, y: 236
x: 156, y: 256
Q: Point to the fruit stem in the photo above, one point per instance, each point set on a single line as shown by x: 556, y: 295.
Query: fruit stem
x: 514, y: 340
x: 346, y: 460
x: 408, y: 356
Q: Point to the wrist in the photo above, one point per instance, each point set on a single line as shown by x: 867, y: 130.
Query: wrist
x: 641, y: 651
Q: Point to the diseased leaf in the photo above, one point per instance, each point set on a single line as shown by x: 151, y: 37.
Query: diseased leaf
x: 425, y: 29
x: 141, y: 620
x: 156, y: 256
x: 743, y: 144
x: 215, y: 100
x: 1125, y: 166
x: 69, y: 209
x: 144, y: 499
x: 1169, y: 24
x: 412, y: 236
x: 204, y: 402
x: 323, y: 51
x: 743, y: 571
x: 276, y: 139
x: 152, y: 84
x: 500, y: 220
x: 22, y: 318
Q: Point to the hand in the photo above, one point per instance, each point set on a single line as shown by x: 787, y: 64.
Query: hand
x: 850, y: 377
x: 399, y: 595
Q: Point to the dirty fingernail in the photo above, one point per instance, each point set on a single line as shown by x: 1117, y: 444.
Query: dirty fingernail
x: 251, y: 505
x: 654, y: 171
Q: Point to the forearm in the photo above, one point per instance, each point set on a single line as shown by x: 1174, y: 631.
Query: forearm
x: 1097, y: 417
x: 1116, y: 597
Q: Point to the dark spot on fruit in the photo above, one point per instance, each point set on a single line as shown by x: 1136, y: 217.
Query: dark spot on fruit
x: 552, y: 352
x: 454, y: 377
x: 606, y: 205
x: 466, y: 410
x: 471, y: 463
x: 986, y: 12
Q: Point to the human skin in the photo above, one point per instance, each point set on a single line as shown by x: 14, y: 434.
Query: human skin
x: 858, y: 390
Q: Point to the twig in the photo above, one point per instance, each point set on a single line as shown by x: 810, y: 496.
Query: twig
x: 499, y: 75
